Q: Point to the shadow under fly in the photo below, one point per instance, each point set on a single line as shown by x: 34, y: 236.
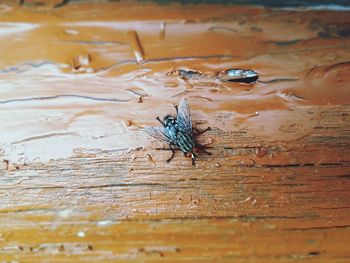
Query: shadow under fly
x: 178, y: 132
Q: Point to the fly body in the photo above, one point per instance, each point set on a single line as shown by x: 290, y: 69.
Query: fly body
x: 184, y: 140
x: 178, y: 132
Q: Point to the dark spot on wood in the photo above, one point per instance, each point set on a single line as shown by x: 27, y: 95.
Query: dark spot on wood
x: 314, y: 253
x: 343, y: 32
x: 61, y: 248
x: 256, y: 29
x: 7, y: 163
x: 64, y: 2
x: 150, y: 158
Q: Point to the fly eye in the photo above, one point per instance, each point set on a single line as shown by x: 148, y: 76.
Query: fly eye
x: 189, y: 155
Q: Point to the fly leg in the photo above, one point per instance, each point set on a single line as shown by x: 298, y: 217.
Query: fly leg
x: 202, y: 149
x: 169, y: 149
x: 176, y: 108
x: 200, y: 132
x: 172, y: 153
x: 158, y: 119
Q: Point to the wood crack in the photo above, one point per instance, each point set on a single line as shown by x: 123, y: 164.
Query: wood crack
x: 63, y: 96
x: 317, y: 228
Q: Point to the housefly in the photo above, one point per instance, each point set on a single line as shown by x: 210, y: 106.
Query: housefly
x: 178, y: 132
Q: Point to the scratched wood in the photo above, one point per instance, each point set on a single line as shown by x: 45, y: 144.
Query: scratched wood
x: 266, y: 194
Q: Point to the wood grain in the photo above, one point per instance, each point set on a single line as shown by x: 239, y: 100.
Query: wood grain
x: 266, y: 194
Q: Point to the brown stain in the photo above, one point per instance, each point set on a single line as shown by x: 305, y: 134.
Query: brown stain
x: 276, y: 186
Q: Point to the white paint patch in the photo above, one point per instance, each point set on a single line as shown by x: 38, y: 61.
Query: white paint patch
x: 65, y: 213
x: 330, y: 7
x: 47, y: 119
x: 71, y: 32
x: 81, y: 234
x: 144, y: 27
x: 15, y: 28
x: 104, y: 223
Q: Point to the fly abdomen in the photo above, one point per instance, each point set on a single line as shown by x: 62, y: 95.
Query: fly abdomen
x: 185, y: 142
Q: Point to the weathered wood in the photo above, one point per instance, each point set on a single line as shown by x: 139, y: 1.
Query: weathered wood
x: 80, y: 181
x: 124, y: 206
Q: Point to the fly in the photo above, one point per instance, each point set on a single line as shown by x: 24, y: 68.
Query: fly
x: 178, y: 132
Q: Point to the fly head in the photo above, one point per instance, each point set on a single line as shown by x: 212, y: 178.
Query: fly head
x: 169, y: 120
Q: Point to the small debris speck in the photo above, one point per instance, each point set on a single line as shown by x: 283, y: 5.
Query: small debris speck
x: 150, y: 158
x: 71, y: 32
x: 81, y: 234
x: 6, y: 162
x: 80, y: 61
x: 104, y: 223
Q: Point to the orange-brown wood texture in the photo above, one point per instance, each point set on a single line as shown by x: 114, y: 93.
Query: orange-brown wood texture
x: 80, y: 181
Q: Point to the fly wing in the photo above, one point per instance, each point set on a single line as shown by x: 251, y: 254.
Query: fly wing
x: 158, y: 133
x: 184, y: 119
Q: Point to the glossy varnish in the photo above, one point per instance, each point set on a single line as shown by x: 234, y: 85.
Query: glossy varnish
x: 80, y: 179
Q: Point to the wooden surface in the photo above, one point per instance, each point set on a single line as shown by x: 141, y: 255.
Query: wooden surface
x: 81, y: 182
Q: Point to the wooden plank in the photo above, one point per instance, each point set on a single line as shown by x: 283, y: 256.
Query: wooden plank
x: 80, y: 181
